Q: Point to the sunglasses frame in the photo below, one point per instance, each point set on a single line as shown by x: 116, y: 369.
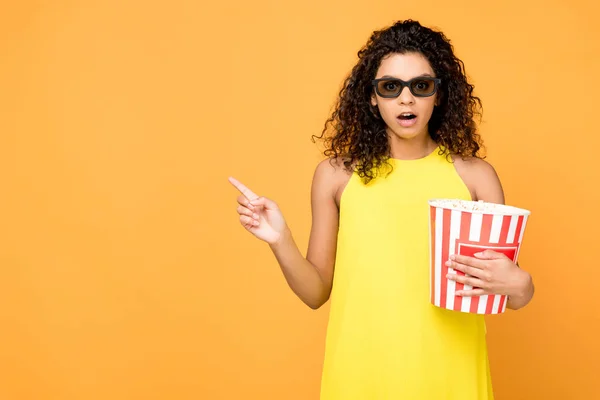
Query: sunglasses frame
x: 403, y: 84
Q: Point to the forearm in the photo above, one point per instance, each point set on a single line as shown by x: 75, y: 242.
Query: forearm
x: 300, y: 274
x: 524, y: 295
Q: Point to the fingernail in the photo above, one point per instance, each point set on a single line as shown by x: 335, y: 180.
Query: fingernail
x: 478, y: 254
x: 448, y: 263
x: 255, y: 216
x: 255, y: 223
x: 452, y: 257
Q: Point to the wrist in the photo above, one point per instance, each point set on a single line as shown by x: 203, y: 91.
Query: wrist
x: 283, y: 238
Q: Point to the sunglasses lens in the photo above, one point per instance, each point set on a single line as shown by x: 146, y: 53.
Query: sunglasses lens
x: 389, y: 88
x: 423, y: 87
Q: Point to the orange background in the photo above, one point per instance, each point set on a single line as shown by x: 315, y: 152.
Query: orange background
x: 124, y: 271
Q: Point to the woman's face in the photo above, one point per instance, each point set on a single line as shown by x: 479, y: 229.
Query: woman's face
x: 407, y: 115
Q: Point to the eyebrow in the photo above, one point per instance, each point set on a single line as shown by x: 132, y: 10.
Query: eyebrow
x: 425, y: 75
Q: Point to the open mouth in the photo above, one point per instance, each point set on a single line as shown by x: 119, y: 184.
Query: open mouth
x: 407, y: 119
x: 407, y: 116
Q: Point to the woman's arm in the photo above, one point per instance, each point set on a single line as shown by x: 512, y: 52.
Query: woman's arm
x: 309, y: 278
x: 312, y: 278
x: 492, y: 272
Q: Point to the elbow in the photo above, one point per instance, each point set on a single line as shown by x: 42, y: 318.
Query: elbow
x: 524, y: 295
x: 316, y: 304
x: 514, y: 307
x: 516, y: 303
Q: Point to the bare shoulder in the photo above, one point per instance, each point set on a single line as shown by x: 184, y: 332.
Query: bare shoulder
x: 331, y: 176
x: 474, y: 165
x: 480, y: 177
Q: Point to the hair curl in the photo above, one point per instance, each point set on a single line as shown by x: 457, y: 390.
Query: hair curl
x: 355, y: 131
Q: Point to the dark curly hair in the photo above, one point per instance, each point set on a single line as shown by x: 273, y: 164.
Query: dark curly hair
x: 355, y: 131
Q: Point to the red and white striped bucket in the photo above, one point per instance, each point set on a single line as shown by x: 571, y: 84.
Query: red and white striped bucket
x: 467, y: 227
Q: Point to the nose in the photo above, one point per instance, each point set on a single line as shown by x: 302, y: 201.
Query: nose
x: 406, y: 97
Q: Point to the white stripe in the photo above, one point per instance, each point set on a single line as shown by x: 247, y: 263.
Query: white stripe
x: 475, y: 231
x: 439, y: 228
x: 474, y: 235
x: 512, y: 229
x: 455, y: 217
x: 482, y: 305
x: 466, y: 301
x: 496, y: 228
x: 505, y: 302
x: 496, y: 304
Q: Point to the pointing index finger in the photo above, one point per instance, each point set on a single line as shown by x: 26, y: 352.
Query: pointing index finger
x: 249, y: 194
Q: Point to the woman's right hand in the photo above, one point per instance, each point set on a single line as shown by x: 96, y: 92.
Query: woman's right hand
x: 259, y: 215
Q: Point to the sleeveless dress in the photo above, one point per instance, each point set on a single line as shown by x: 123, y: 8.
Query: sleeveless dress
x: 385, y: 340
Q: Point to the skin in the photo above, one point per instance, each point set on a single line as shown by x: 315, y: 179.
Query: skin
x: 311, y: 277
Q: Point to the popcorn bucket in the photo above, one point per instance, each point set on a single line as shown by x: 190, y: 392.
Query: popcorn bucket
x: 468, y: 227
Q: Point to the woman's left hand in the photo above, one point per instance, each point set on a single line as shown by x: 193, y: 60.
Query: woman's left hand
x: 489, y: 272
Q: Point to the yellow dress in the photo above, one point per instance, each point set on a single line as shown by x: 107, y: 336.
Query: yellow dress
x: 384, y: 338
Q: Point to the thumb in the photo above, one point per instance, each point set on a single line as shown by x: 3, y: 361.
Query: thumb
x: 489, y: 255
x: 263, y: 201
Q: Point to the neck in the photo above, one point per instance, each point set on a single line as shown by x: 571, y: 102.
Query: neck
x: 411, y: 149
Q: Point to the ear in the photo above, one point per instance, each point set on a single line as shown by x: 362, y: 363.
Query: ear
x: 439, y: 97
x: 374, y: 100
x: 373, y: 109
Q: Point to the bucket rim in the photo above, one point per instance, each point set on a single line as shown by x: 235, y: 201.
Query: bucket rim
x: 478, y: 207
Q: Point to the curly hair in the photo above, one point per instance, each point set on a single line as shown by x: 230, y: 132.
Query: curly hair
x: 355, y: 130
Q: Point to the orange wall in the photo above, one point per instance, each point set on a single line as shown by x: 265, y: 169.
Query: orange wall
x: 124, y: 272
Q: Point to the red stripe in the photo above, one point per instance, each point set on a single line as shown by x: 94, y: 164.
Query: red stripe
x: 518, y: 231
x: 502, y: 298
x: 445, y: 256
x: 465, y: 229
x: 432, y: 283
x: 490, y: 304
x: 505, y: 227
x: 486, y: 230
